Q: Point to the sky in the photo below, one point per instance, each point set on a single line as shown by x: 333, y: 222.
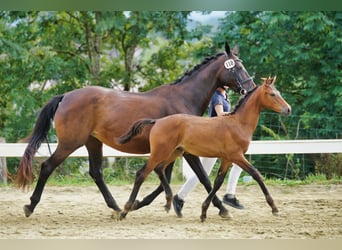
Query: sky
x: 198, y: 16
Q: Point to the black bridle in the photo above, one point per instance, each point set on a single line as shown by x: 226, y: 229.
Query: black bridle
x: 230, y: 65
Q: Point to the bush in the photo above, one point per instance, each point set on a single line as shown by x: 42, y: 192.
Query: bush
x: 328, y: 164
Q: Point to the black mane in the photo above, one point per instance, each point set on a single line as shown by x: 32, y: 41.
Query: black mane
x: 243, y: 100
x: 198, y: 66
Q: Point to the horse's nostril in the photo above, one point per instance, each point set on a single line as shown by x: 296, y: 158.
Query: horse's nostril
x: 286, y: 111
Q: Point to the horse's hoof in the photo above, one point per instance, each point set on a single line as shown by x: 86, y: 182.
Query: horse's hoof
x: 203, y: 217
x: 135, y: 205
x: 27, y: 211
x: 167, y: 208
x: 115, y: 215
x: 122, y: 215
x: 225, y: 214
x: 275, y: 211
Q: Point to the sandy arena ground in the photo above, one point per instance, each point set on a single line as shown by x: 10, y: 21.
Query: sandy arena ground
x: 306, y: 212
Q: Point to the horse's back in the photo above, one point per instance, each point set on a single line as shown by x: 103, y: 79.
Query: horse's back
x: 97, y: 99
x: 182, y: 126
x: 90, y: 93
x: 193, y: 134
x: 81, y: 102
x: 105, y: 114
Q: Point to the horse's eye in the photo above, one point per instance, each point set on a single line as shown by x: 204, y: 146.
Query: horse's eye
x: 272, y: 94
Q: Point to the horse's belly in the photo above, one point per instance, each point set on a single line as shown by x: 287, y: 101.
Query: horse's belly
x: 138, y: 145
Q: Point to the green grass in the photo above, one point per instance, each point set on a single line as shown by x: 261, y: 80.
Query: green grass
x: 310, y: 179
x: 86, y: 180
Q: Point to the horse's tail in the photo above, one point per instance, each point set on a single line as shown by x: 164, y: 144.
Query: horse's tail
x: 40, y: 132
x: 135, y: 129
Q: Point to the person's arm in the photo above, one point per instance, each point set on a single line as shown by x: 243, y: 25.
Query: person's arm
x: 219, y: 110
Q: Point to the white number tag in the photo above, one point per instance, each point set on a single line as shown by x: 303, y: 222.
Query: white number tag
x: 229, y: 64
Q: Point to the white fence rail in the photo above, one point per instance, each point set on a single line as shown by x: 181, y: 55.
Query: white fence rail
x: 256, y: 147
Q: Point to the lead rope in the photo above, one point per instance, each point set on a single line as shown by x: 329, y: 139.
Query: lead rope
x: 47, y: 141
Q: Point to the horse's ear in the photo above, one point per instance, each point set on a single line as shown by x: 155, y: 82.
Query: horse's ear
x: 236, y: 50
x: 227, y: 48
x: 268, y: 81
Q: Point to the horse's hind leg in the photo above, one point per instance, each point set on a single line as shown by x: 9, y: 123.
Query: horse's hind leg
x: 139, y: 179
x: 166, y: 186
x: 221, y: 174
x: 47, y: 167
x: 94, y: 147
x: 149, y: 198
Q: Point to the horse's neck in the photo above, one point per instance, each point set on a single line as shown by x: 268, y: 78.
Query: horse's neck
x: 248, y: 114
x: 201, y: 85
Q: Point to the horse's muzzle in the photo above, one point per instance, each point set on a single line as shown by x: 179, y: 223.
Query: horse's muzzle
x: 286, y: 111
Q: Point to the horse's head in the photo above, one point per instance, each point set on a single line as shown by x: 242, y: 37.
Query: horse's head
x: 234, y: 75
x: 271, y: 98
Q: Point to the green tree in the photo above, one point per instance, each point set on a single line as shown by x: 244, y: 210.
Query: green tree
x: 23, y: 69
x: 135, y: 33
x: 304, y: 50
x: 45, y: 53
x: 48, y: 53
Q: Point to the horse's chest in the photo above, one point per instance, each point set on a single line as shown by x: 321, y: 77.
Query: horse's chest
x: 242, y: 143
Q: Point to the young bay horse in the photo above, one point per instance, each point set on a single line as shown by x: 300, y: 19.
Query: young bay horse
x: 226, y: 137
x: 93, y: 115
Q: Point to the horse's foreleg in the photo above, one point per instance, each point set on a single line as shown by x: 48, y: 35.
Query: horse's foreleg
x: 217, y: 184
x: 197, y: 167
x: 249, y: 168
x: 257, y: 176
x: 94, y: 148
x: 149, y: 198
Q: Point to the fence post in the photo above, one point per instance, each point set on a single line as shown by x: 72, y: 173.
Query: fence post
x: 3, y: 166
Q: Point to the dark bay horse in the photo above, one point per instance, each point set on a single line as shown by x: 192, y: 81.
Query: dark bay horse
x: 225, y: 137
x: 92, y: 116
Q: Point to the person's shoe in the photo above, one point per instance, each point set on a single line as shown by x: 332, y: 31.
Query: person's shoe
x: 233, y: 202
x: 178, y: 205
